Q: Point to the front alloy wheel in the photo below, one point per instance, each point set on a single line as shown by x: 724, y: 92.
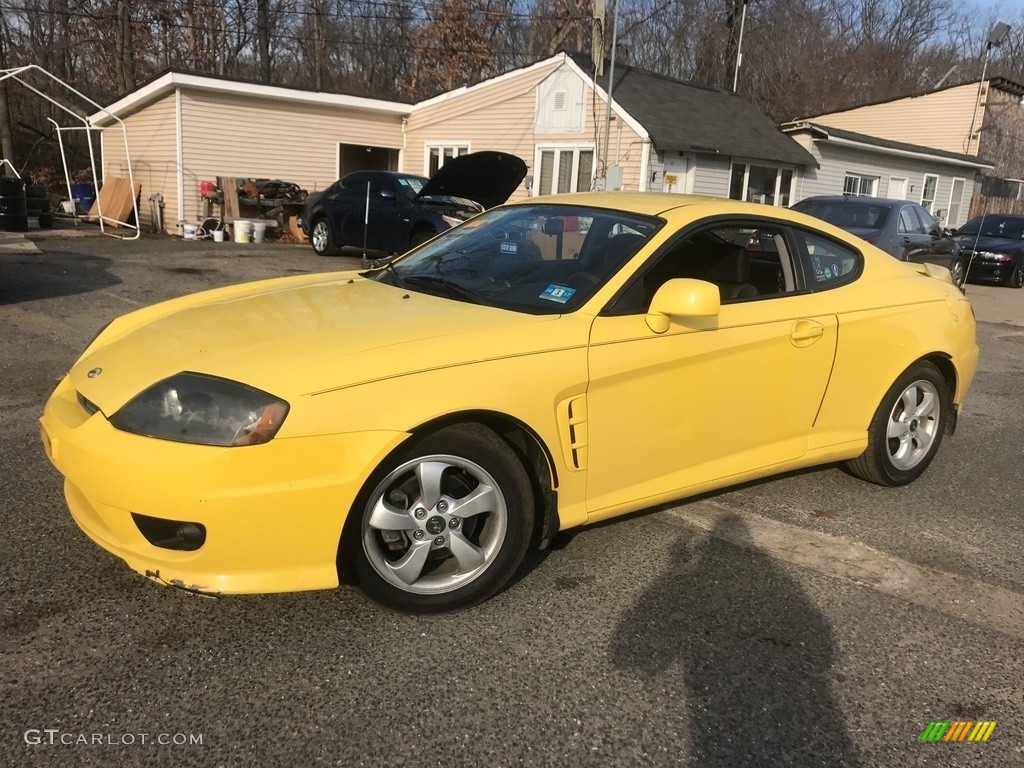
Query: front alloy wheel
x: 907, y: 428
x: 958, y: 271
x: 448, y: 525
x: 1017, y: 278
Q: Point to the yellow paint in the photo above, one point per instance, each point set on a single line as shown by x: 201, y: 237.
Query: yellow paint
x: 631, y: 415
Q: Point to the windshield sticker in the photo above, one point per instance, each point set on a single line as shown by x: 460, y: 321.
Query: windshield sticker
x: 559, y: 293
x: 508, y: 247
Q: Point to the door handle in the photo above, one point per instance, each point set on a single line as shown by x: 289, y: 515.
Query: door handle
x: 805, y: 332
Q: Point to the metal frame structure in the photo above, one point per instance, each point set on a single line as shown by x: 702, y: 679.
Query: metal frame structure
x: 15, y: 74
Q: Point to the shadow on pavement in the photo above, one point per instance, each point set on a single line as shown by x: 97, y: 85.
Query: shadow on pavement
x: 30, y: 276
x: 756, y: 655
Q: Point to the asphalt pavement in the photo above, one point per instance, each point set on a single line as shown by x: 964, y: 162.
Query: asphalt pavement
x: 806, y: 620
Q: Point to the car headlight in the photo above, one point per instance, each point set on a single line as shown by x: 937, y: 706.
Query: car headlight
x: 193, y: 408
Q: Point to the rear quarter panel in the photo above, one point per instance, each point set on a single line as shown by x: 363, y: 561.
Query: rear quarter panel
x: 885, y: 326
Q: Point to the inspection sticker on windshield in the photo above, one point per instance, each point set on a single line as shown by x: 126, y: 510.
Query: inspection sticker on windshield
x: 559, y: 293
x: 507, y: 247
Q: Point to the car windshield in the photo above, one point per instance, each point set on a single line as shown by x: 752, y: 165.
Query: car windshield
x: 538, y: 259
x: 411, y: 186
x: 1010, y: 227
x: 846, y: 213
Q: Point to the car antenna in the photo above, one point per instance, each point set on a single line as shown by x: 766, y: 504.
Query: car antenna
x: 366, y: 223
x: 974, y: 248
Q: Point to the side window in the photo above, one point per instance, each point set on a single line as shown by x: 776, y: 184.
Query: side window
x: 748, y: 261
x: 909, y: 223
x: 827, y: 263
x: 928, y: 222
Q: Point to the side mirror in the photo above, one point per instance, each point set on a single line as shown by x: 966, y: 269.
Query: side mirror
x: 682, y: 297
x: 387, y: 194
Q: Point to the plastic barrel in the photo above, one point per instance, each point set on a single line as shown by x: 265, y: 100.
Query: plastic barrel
x: 84, y: 196
x: 13, y: 205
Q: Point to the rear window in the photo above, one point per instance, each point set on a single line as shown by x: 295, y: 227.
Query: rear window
x: 845, y: 213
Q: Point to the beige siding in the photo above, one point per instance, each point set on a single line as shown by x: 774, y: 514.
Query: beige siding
x: 226, y: 135
x: 152, y: 146
x: 940, y: 120
x: 500, y: 115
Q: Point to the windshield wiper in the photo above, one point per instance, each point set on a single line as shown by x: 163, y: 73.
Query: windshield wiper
x: 454, y: 289
x: 390, y: 269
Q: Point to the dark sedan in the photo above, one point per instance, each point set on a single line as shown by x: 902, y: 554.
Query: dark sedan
x: 993, y: 246
x: 901, y: 228
x: 394, y: 212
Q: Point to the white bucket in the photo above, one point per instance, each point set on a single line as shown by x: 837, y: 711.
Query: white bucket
x: 218, y: 235
x: 259, y: 231
x: 243, y: 230
x: 189, y: 230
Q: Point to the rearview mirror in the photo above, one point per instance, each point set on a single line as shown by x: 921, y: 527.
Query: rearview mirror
x: 682, y: 297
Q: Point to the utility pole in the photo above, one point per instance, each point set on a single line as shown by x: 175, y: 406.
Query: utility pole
x: 739, y: 48
x: 6, y: 142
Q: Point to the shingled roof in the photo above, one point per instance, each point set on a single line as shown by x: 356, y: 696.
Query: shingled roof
x: 691, y: 117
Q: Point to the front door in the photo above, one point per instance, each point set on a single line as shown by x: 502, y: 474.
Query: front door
x: 711, y: 397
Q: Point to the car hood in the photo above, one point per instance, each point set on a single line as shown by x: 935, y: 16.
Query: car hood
x: 1003, y: 244
x: 295, y: 337
x: 487, y: 178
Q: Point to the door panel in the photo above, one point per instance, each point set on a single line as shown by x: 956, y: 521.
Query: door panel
x: 707, y: 399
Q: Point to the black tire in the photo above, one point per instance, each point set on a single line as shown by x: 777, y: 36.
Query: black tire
x: 459, y: 559
x: 897, y: 459
x: 11, y: 186
x: 420, y: 236
x: 1017, y: 278
x: 958, y: 270
x: 46, y: 220
x: 321, y: 239
x: 35, y: 190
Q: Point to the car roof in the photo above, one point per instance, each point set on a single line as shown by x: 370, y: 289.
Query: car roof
x: 856, y: 199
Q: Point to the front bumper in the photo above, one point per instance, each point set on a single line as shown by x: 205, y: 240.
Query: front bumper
x: 982, y: 270
x: 273, y: 513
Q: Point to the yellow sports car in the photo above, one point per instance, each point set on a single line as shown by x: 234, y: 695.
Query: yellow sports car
x: 416, y: 427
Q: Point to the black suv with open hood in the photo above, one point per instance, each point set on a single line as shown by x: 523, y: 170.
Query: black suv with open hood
x: 393, y: 212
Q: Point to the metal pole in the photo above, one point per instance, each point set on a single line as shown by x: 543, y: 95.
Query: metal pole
x: 366, y: 221
x: 977, y: 101
x: 739, y: 48
x: 611, y: 80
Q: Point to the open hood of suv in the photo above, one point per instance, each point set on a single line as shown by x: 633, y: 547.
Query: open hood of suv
x: 488, y: 178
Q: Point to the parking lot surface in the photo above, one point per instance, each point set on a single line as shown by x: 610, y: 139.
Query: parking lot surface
x: 805, y: 620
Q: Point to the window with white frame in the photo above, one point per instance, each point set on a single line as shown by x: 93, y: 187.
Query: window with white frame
x: 761, y: 184
x: 438, y: 154
x: 857, y: 185
x: 956, y: 201
x: 564, y: 169
x: 928, y: 190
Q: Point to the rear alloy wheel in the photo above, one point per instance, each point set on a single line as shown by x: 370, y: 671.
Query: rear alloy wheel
x: 907, y: 428
x: 447, y: 526
x: 320, y: 238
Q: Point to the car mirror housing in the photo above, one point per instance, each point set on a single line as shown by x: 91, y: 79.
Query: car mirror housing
x: 388, y: 194
x: 682, y: 297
